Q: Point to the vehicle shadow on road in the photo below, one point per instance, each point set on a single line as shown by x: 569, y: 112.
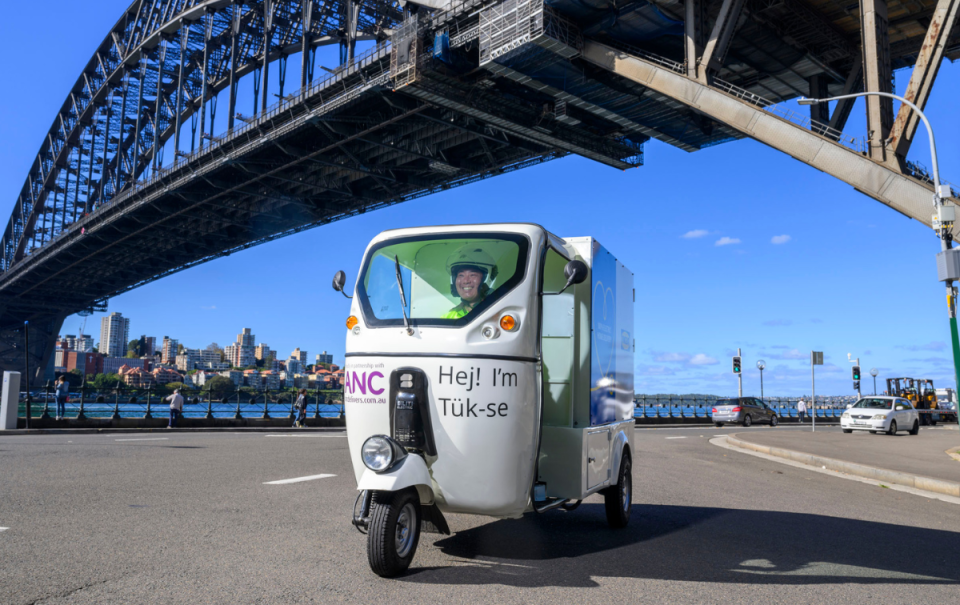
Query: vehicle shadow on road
x: 694, y: 544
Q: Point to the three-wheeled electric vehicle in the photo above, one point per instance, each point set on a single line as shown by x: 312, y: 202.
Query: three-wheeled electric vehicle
x: 489, y: 370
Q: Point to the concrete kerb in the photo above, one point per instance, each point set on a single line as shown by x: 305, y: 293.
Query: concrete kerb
x: 938, y: 486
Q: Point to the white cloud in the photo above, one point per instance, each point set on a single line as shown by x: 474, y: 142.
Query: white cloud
x: 703, y: 360
x: 210, y: 308
x: 725, y: 241
x: 780, y: 239
x: 669, y: 357
x: 695, y: 233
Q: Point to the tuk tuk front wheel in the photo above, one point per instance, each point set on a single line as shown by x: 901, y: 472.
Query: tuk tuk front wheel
x: 394, y: 531
x: 618, y: 499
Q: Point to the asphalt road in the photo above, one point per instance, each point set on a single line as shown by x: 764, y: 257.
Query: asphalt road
x: 187, y: 518
x: 924, y: 454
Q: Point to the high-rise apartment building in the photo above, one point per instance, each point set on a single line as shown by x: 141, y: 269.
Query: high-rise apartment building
x: 114, y: 335
x: 243, y: 352
x: 169, y: 352
x: 188, y: 359
x: 149, y: 345
x: 264, y: 351
x: 300, y: 356
x: 324, y: 357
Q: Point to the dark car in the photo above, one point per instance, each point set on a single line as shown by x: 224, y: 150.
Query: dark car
x: 743, y: 410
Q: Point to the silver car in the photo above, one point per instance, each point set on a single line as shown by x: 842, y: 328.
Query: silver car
x: 745, y: 411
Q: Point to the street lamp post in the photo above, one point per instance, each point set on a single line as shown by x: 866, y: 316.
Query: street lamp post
x: 874, y: 372
x: 760, y: 366
x: 939, y: 192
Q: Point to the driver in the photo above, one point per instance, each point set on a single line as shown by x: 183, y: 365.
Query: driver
x: 469, y: 269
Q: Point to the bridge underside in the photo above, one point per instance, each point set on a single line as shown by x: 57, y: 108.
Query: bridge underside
x: 442, y: 99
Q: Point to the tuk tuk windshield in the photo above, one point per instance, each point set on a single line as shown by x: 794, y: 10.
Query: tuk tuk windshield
x: 446, y: 279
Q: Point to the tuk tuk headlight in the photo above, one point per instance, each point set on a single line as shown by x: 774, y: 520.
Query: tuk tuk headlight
x: 379, y: 453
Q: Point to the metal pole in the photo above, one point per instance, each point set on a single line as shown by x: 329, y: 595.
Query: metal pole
x: 740, y: 374
x: 26, y: 358
x: 813, y: 397
x: 761, y: 384
x: 859, y: 396
x: 874, y: 385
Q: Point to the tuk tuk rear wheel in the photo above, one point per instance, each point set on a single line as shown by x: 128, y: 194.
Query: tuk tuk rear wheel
x: 394, y: 531
x: 618, y: 499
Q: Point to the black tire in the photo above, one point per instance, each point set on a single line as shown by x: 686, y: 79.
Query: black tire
x: 618, y: 499
x: 873, y: 432
x: 848, y: 431
x: 893, y: 428
x: 774, y: 421
x: 747, y: 420
x: 394, y: 531
x: 718, y: 424
x: 916, y: 428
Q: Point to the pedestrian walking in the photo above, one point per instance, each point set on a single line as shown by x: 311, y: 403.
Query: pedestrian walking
x: 63, y: 391
x: 801, y: 409
x: 176, y: 406
x: 301, y: 406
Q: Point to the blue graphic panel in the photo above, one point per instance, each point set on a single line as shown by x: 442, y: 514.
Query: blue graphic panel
x: 605, y: 339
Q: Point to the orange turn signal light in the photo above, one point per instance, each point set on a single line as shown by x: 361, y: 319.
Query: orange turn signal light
x: 351, y: 321
x: 509, y: 323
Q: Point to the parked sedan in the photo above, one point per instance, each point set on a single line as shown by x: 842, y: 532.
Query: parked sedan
x: 881, y: 414
x: 743, y: 410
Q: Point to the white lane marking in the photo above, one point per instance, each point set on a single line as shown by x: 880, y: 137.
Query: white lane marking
x: 676, y: 437
x: 4, y: 528
x: 145, y: 439
x: 722, y: 442
x: 314, y: 436
x: 297, y: 479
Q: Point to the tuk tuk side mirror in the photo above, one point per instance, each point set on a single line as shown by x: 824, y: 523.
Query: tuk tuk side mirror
x: 338, y: 281
x: 576, y: 272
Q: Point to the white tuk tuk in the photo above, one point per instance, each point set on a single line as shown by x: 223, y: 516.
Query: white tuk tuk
x: 489, y: 371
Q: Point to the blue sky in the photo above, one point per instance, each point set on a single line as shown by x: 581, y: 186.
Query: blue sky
x: 734, y: 246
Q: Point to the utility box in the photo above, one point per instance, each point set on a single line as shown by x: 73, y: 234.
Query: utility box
x: 948, y: 265
x: 10, y: 401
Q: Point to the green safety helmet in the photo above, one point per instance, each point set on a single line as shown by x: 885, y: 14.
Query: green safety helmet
x: 471, y: 256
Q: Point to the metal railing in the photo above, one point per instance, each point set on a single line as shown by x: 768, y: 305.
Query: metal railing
x: 127, y: 402
x: 686, y: 406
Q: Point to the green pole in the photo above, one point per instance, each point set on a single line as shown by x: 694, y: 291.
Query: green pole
x: 956, y: 354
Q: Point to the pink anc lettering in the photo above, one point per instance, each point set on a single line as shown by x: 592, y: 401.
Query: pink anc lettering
x: 374, y: 391
x: 361, y: 382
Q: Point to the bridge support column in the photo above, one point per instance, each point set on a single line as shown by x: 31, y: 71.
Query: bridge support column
x: 43, y: 338
x: 690, y: 36
x: 719, y: 42
x: 267, y: 37
x: 924, y: 73
x: 818, y: 90
x: 877, y: 76
x: 306, y: 47
x: 234, y: 47
x: 853, y: 84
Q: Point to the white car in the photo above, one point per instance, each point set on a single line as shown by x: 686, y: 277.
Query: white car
x: 881, y: 414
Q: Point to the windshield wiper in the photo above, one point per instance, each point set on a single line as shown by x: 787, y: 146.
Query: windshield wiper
x: 403, y: 299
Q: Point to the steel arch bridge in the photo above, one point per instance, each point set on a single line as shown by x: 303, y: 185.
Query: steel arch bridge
x: 140, y: 176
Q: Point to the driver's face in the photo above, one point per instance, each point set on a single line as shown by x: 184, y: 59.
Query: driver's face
x: 468, y: 284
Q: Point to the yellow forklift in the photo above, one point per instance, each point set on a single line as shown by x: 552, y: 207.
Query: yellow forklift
x: 920, y: 391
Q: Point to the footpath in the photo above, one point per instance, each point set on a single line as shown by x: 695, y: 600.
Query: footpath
x: 921, y: 462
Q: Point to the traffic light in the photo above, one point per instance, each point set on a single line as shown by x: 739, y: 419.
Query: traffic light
x: 856, y: 373
x: 856, y: 385
x: 736, y: 364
